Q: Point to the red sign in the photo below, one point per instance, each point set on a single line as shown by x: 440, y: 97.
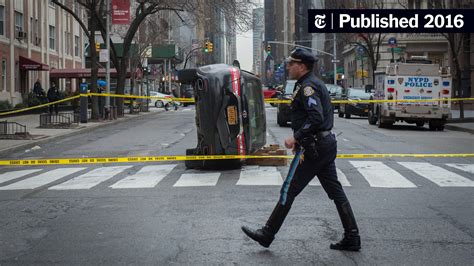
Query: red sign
x: 120, y: 11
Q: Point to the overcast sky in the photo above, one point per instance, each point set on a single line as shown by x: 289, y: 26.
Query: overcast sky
x: 245, y: 46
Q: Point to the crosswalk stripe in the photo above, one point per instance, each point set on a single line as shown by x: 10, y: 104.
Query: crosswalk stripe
x: 259, y: 176
x: 380, y: 175
x: 42, y: 179
x: 147, y: 177
x: 197, y: 180
x: 340, y: 176
x: 91, y: 179
x: 16, y: 174
x: 464, y: 167
x: 438, y: 175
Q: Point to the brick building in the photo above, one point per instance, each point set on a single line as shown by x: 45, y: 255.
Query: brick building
x: 36, y: 37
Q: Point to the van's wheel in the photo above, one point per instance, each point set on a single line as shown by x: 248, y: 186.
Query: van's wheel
x: 420, y: 123
x: 348, y: 115
x: 381, y: 123
x: 441, y: 128
x: 340, y: 114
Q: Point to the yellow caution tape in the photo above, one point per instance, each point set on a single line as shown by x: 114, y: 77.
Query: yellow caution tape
x: 383, y: 101
x: 77, y: 161
x: 191, y: 100
x: 39, y: 106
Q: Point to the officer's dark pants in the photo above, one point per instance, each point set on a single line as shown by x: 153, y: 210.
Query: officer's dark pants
x: 301, y: 173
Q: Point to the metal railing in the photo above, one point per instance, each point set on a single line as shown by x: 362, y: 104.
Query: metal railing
x: 60, y: 120
x: 12, y: 128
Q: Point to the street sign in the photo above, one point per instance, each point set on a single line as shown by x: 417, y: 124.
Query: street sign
x: 392, y: 42
x: 104, y: 55
x: 360, y: 50
x: 397, y: 50
x: 335, y: 61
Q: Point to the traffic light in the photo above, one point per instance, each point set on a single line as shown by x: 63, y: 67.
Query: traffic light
x: 206, y: 47
x: 97, y: 47
x: 210, y: 47
x: 269, y: 49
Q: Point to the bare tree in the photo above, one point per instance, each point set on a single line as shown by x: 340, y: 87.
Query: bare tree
x: 370, y: 42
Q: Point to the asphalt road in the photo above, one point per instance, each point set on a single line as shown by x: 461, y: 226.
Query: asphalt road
x: 410, y: 210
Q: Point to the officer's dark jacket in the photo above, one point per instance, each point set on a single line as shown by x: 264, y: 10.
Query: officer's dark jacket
x: 311, y: 109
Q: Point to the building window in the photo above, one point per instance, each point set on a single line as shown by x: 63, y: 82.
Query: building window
x: 76, y: 8
x: 52, y: 37
x: 66, y: 42
x: 4, y: 74
x: 18, y: 21
x: 2, y: 20
x: 76, y: 45
x: 37, y: 39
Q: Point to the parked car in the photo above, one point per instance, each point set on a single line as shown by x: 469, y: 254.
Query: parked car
x: 269, y: 92
x: 355, y: 108
x: 166, y: 103
x: 230, y: 113
x: 284, y: 109
x: 335, y: 91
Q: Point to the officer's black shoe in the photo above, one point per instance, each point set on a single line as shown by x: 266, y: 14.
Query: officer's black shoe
x: 350, y: 242
x: 260, y: 235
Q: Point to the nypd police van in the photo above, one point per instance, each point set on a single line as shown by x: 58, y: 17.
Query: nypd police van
x: 415, y: 79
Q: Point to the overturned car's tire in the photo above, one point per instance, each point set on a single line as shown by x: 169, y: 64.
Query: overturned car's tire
x: 192, y: 163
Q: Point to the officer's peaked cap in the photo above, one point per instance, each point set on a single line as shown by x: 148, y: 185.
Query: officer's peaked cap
x: 302, y: 55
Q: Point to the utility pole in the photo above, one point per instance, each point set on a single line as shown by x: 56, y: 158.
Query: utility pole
x: 335, y: 58
x: 107, y: 65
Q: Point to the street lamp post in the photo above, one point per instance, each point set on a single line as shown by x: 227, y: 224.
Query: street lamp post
x: 107, y: 65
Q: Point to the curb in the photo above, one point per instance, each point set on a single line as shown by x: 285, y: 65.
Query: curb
x: 62, y: 136
x: 458, y: 128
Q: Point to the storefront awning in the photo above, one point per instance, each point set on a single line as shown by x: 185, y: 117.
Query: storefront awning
x: 80, y: 73
x: 32, y: 65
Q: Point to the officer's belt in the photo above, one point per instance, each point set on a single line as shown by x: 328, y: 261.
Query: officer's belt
x: 321, y: 134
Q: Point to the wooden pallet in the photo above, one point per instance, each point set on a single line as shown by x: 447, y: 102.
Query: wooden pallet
x: 272, y: 149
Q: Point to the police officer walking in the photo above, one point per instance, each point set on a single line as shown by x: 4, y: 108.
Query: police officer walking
x: 315, y: 148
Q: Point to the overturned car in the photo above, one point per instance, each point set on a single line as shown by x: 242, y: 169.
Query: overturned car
x: 230, y: 113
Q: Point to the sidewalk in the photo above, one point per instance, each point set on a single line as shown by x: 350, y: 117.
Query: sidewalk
x: 466, y: 126
x: 42, y: 135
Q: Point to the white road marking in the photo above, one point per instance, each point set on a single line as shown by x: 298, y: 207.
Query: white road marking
x: 42, y: 179
x: 259, y: 176
x: 438, y: 175
x: 197, y: 180
x: 147, y: 177
x: 91, y: 179
x: 340, y: 176
x: 380, y: 175
x: 16, y: 174
x: 464, y: 167
x: 345, y: 139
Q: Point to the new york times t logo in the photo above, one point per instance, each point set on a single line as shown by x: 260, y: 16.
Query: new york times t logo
x: 390, y: 20
x: 319, y: 21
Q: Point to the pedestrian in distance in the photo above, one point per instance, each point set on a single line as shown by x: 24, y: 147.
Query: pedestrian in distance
x: 315, y: 148
x: 53, y: 95
x: 38, y: 89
